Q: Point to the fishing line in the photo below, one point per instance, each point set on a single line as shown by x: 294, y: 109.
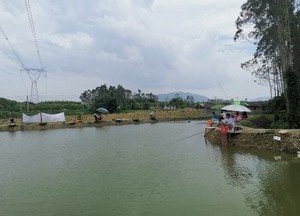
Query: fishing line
x: 192, y: 125
x: 179, y: 140
x: 222, y: 89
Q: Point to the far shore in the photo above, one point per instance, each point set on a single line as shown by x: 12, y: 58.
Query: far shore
x: 134, y: 117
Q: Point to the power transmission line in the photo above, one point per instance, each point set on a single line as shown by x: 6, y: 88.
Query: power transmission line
x: 4, y: 71
x: 33, y: 31
x: 33, y: 73
x: 11, y: 47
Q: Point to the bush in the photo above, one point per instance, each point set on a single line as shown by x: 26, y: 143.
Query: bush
x: 280, y: 124
x: 261, y: 121
x: 277, y: 104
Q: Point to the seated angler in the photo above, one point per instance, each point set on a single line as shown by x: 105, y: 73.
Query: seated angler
x: 98, y: 117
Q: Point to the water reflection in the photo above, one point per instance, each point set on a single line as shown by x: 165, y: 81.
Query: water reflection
x: 147, y: 169
x: 271, y: 187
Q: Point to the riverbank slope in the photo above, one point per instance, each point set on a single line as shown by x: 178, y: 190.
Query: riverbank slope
x: 269, y: 139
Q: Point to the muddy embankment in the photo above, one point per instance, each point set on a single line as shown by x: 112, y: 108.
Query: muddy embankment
x: 269, y: 139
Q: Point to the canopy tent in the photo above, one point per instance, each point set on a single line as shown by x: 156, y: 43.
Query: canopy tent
x: 236, y: 107
x: 243, y: 103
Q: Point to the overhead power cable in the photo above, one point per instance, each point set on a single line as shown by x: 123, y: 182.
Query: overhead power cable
x: 33, y: 31
x: 5, y: 71
x: 11, y: 47
x: 33, y: 73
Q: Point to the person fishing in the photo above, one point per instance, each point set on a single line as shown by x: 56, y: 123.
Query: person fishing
x: 152, y: 116
x: 12, y: 120
x: 224, y: 134
x: 215, y: 117
x: 98, y: 117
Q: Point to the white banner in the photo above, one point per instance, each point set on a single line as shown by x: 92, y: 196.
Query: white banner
x: 43, y: 118
x: 60, y: 117
x: 31, y: 119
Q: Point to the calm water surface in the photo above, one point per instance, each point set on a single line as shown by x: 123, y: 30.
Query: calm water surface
x: 147, y: 169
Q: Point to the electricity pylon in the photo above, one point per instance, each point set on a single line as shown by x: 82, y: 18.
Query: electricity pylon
x: 34, y: 74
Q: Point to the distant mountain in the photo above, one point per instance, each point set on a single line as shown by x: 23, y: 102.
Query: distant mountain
x: 266, y: 98
x: 183, y: 95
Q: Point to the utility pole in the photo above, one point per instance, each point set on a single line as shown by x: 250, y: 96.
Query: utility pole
x: 27, y: 102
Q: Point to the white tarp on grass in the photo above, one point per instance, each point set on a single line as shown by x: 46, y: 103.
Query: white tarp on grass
x: 43, y: 118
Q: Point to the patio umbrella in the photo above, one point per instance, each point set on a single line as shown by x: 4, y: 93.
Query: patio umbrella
x: 236, y: 107
x: 102, y: 110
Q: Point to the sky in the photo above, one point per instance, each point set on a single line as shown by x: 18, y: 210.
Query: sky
x: 157, y: 46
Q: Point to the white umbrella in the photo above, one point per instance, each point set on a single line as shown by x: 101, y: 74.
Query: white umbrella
x: 236, y: 107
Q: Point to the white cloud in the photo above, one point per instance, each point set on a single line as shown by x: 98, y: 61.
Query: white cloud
x: 68, y: 41
x: 153, y: 45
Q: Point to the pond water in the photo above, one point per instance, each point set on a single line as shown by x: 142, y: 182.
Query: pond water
x: 146, y: 169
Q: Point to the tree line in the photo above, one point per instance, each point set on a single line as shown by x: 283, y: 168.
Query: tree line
x: 11, y: 108
x: 117, y: 99
x: 273, y: 26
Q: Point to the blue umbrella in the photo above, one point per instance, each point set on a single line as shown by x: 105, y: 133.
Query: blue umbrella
x: 102, y: 110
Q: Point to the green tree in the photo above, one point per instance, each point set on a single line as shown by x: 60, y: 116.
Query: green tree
x: 190, y: 101
x: 293, y: 113
x: 177, y: 102
x: 116, y: 98
x: 273, y: 26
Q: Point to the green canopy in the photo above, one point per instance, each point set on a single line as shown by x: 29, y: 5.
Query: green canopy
x: 240, y: 103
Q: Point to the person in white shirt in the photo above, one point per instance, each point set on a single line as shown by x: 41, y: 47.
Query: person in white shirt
x: 230, y: 122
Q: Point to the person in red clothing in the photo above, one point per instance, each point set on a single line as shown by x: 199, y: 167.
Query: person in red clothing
x: 210, y: 122
x: 224, y: 134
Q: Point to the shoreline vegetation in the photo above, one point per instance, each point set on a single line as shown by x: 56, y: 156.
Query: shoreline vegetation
x: 250, y: 137
x: 133, y: 117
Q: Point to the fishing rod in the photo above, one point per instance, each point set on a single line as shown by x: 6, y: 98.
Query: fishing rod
x: 187, y: 137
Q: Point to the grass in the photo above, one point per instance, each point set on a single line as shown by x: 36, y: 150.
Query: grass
x: 163, y: 115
